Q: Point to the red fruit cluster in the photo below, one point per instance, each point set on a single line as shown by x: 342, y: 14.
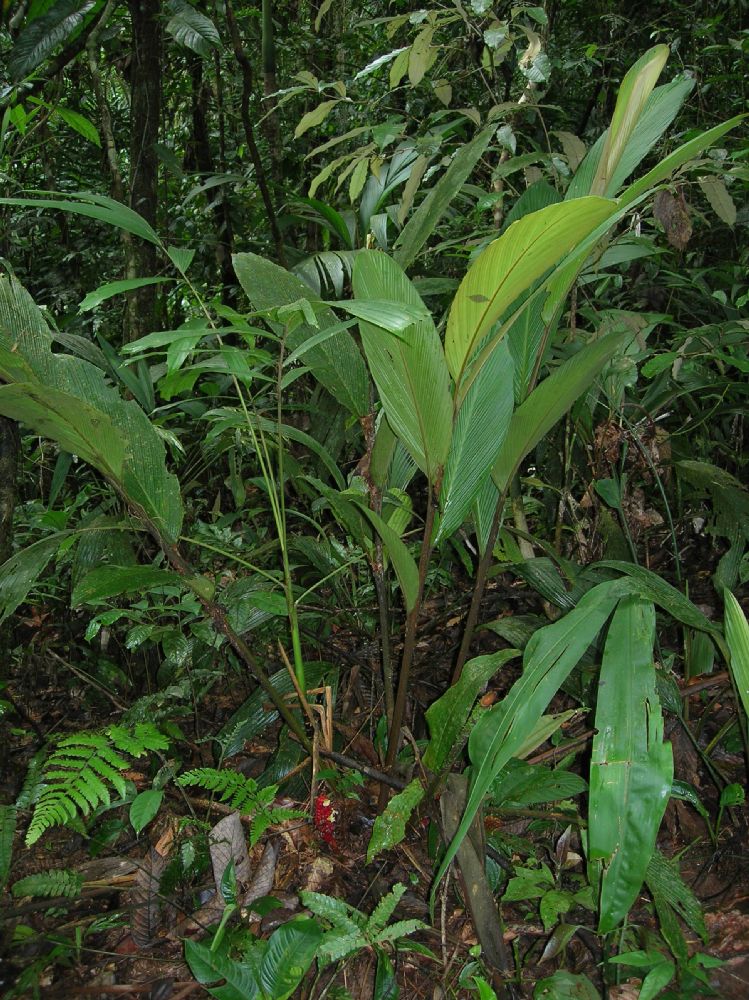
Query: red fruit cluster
x: 324, y: 820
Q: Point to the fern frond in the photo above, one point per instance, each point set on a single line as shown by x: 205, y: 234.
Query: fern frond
x: 232, y: 788
x: 55, y: 882
x: 82, y: 768
x: 385, y: 908
x: 32, y: 783
x: 242, y: 794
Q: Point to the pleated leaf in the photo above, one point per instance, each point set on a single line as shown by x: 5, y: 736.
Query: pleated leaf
x: 68, y: 399
x: 335, y: 362
x: 509, y: 266
x: 423, y: 222
x: 634, y: 92
x: 478, y: 436
x: 19, y: 573
x: 737, y: 638
x: 409, y: 369
x: 94, y: 206
x: 550, y: 401
x: 40, y: 38
x: 631, y: 767
x: 674, y: 160
x: 548, y: 660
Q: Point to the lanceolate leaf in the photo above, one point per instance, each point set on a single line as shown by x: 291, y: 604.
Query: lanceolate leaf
x: 509, y: 266
x: 69, y: 400
x: 409, y: 369
x: 676, y: 159
x: 192, y: 29
x: 631, y: 767
x: 548, y: 659
x: 40, y: 38
x: 112, y: 581
x: 335, y: 362
x: 19, y: 573
x: 402, y: 560
x: 635, y: 89
x: 550, y: 401
x: 112, y: 288
x: 448, y: 715
x: 478, y: 436
x: 422, y: 223
x: 94, y: 206
x: 737, y: 638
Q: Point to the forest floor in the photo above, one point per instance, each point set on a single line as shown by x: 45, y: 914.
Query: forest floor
x: 124, y: 935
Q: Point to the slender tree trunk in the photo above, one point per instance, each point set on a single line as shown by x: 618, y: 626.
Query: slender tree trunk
x: 9, y: 451
x: 145, y: 113
x: 201, y: 145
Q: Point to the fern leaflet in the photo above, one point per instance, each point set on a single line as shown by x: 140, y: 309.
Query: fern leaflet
x: 82, y: 768
x: 242, y: 794
x: 55, y: 882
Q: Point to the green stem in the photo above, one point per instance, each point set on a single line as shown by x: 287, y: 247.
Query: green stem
x: 409, y: 643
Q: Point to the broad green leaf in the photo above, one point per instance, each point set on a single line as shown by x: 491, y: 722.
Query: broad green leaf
x: 315, y: 117
x: 548, y: 659
x: 181, y: 257
x: 422, y: 55
x: 395, y: 317
x: 112, y: 581
x: 402, y: 560
x: 509, y: 266
x: 634, y: 91
x: 660, y: 109
x: 69, y: 400
x: 40, y: 38
x: 210, y: 967
x: 192, y: 29
x: 409, y: 370
x: 674, y: 160
x: 332, y: 219
x: 81, y: 429
x: 549, y: 401
x: 427, y: 216
x: 665, y: 882
x: 565, y: 985
x: 478, y: 435
x: 112, y: 288
x: 390, y: 826
x: 737, y: 638
x: 290, y: 951
x: 94, y: 206
x: 79, y: 123
x: 19, y: 573
x: 336, y: 363
x: 448, y: 716
x: 144, y: 807
x: 714, y: 189
x: 631, y: 767
x: 655, y: 588
x: 255, y: 715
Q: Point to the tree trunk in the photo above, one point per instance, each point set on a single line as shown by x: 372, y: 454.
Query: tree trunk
x: 203, y: 159
x: 145, y: 112
x: 9, y: 449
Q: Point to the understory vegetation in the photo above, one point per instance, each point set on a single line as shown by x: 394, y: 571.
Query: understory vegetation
x: 374, y: 536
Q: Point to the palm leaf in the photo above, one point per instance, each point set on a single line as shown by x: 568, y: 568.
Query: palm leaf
x: 409, y: 369
x: 38, y: 39
x: 631, y: 767
x: 509, y: 266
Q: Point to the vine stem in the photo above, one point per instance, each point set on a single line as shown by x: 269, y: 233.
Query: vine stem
x: 409, y: 646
